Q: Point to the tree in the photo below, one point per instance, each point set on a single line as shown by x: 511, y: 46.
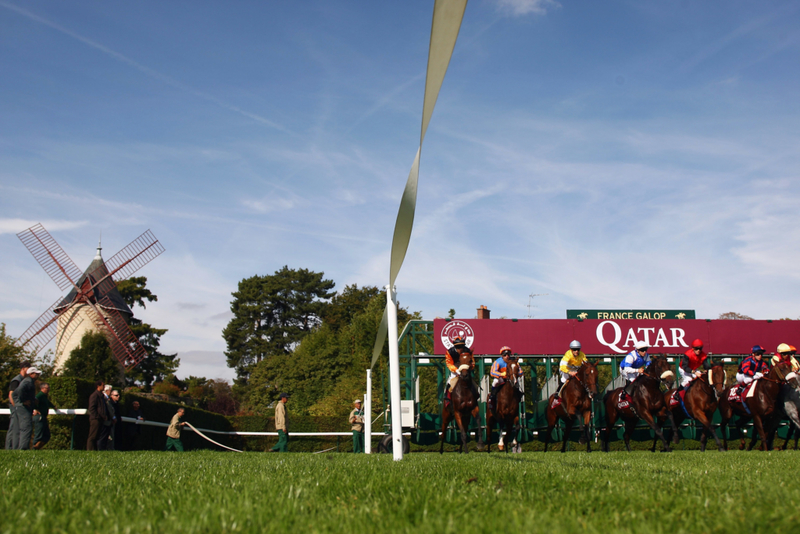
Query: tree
x: 347, y: 304
x: 93, y: 360
x: 326, y: 370
x: 156, y: 366
x: 734, y: 316
x: 272, y: 314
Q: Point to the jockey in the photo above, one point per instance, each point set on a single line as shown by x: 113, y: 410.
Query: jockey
x: 570, y: 363
x: 691, y: 361
x: 498, y: 372
x: 785, y: 353
x: 752, y: 368
x: 459, y: 345
x: 634, y: 364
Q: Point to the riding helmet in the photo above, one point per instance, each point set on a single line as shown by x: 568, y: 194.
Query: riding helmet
x: 505, y: 348
x: 459, y: 342
x: 575, y: 344
x: 756, y: 349
x: 697, y: 343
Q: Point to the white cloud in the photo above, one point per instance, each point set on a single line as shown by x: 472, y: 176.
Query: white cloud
x: 523, y: 7
x: 14, y: 226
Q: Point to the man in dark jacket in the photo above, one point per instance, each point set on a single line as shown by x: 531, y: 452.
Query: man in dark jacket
x: 97, y: 415
x: 25, y: 402
x: 41, y: 427
x: 12, y: 436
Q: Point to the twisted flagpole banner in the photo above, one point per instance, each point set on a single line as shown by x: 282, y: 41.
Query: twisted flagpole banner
x: 447, y: 17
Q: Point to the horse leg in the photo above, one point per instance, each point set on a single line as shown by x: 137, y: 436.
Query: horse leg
x: 551, y: 424
x: 611, y: 420
x: 705, y: 420
x: 650, y: 420
x: 587, y: 416
x: 568, y: 422
x: 630, y: 426
x: 725, y: 412
x: 446, y: 416
x: 760, y: 428
x: 476, y: 416
x: 463, y: 431
x: 489, y: 425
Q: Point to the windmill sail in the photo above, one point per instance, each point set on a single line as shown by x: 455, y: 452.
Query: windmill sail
x: 124, y: 343
x: 50, y: 256
x: 42, y: 330
x: 124, y: 263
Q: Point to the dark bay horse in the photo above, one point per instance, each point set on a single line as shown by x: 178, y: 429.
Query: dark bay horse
x: 763, y: 407
x: 701, y: 399
x: 464, y: 401
x: 506, y: 414
x: 646, y: 402
x: 576, y: 400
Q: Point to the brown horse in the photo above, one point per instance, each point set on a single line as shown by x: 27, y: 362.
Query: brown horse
x: 507, y: 411
x: 763, y: 407
x: 701, y: 402
x: 646, y: 403
x: 576, y: 399
x: 464, y: 401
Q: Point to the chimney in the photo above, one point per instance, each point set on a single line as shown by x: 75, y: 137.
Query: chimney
x: 483, y: 312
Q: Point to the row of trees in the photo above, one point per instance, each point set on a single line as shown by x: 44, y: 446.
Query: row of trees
x: 290, y: 332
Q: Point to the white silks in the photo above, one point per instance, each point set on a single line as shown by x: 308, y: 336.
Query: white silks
x: 447, y: 17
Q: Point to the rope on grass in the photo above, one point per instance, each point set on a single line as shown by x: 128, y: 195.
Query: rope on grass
x: 211, y: 440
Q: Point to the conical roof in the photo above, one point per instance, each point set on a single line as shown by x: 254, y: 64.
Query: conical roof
x: 96, y: 271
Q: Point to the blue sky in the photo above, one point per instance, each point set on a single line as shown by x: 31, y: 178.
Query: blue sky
x: 621, y: 154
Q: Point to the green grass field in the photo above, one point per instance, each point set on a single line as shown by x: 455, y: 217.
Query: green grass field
x: 686, y: 491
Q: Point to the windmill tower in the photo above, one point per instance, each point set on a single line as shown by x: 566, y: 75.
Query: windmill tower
x: 94, y: 303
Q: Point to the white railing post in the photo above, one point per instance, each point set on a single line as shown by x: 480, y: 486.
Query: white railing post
x: 368, y: 414
x: 394, y: 375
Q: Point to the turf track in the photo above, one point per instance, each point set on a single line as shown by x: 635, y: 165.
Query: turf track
x: 686, y: 491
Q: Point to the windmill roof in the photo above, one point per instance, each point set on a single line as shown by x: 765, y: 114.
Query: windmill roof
x: 96, y: 270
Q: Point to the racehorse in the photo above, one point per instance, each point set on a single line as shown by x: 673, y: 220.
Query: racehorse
x: 646, y: 403
x: 700, y: 401
x: 762, y: 406
x: 464, y: 401
x: 789, y: 404
x: 506, y: 413
x: 575, y: 399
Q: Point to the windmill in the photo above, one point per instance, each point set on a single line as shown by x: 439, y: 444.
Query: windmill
x: 94, y: 303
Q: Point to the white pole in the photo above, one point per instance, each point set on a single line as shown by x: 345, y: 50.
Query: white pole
x: 368, y: 414
x: 394, y: 375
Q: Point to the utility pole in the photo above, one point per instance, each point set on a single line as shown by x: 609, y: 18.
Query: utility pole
x: 530, y: 299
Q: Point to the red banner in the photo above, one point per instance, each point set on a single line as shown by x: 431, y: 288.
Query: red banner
x: 552, y: 336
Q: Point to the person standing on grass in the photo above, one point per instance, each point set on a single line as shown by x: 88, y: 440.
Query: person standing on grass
x: 25, y: 402
x: 104, y: 435
x: 41, y: 428
x: 12, y: 436
x: 174, y: 432
x: 97, y: 415
x: 357, y: 426
x: 281, y: 424
x: 115, y: 443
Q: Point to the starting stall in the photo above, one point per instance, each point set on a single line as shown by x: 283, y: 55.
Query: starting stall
x: 541, y: 343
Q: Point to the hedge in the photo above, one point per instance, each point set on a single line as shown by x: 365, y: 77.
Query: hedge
x: 68, y: 392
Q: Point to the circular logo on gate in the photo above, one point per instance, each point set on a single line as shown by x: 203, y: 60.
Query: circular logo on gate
x: 455, y: 329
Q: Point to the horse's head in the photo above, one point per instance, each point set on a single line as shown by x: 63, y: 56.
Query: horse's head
x: 587, y: 374
x: 466, y: 361
x: 716, y: 378
x: 512, y: 369
x: 780, y: 372
x: 660, y: 368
